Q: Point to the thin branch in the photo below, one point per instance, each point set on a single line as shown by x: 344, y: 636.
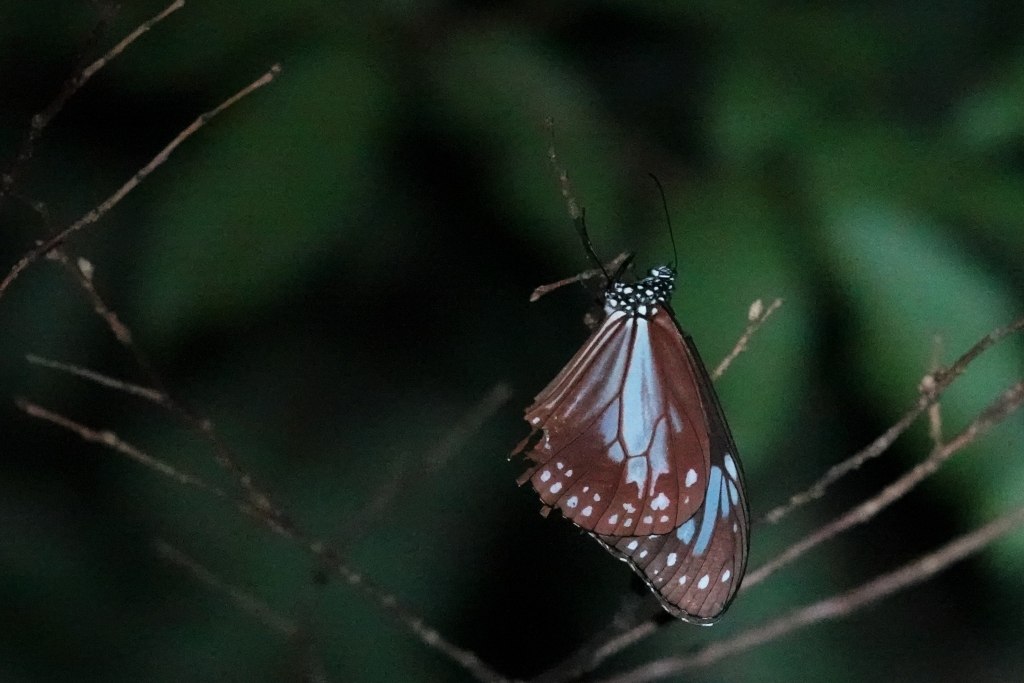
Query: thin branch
x: 612, y: 266
x: 245, y: 601
x: 933, y: 386
x: 996, y: 412
x: 83, y: 271
x: 437, y: 457
x: 927, y: 386
x: 41, y: 120
x: 575, y: 212
x: 326, y: 555
x: 147, y: 393
x: 114, y: 442
x: 757, y: 316
x: 102, y: 209
x: 425, y: 633
x: 910, y: 574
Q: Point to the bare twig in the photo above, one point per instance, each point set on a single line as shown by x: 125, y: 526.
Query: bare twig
x: 83, y: 271
x: 436, y: 458
x: 912, y: 573
x: 41, y: 120
x: 611, y: 267
x: 575, y: 212
x: 245, y: 601
x: 757, y: 316
x: 114, y: 442
x: 932, y: 387
x: 327, y: 556
x: 927, y: 386
x: 997, y: 411
x: 147, y: 393
x: 101, y: 210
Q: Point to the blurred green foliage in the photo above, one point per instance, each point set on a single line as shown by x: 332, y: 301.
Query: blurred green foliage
x: 337, y: 269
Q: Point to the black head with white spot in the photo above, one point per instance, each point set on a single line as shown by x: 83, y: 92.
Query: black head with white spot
x: 641, y: 299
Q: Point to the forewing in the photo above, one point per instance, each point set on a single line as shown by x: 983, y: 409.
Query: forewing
x: 623, y: 447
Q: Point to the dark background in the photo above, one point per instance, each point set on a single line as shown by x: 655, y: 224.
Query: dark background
x: 337, y: 270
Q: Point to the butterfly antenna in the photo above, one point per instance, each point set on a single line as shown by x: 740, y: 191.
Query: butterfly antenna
x: 576, y: 212
x: 668, y: 220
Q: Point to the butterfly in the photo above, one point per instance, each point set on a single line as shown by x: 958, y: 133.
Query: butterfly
x: 630, y: 443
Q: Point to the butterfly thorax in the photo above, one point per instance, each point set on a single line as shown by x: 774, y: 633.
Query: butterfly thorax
x: 641, y: 299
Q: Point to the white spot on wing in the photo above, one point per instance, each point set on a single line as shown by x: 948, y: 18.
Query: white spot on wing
x: 726, y: 575
x: 633, y: 545
x: 556, y: 487
x: 671, y: 561
x: 691, y: 478
x: 629, y: 507
x: 648, y: 519
x: 643, y: 554
x: 586, y: 512
x: 661, y: 502
x: 614, y: 519
x: 571, y: 503
x: 704, y: 581
x: 545, y: 475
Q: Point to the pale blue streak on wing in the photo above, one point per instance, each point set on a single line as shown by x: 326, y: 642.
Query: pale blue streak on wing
x: 641, y: 394
x: 609, y: 425
x: 707, y: 525
x: 686, y: 531
x: 725, y: 501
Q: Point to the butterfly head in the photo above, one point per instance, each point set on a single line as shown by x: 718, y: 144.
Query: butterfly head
x: 641, y: 298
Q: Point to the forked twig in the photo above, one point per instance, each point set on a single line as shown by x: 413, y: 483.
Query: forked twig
x: 910, y: 574
x: 101, y: 210
x: 996, y: 412
x: 611, y: 266
x: 933, y: 386
x: 41, y: 120
x: 327, y: 556
x: 757, y: 315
